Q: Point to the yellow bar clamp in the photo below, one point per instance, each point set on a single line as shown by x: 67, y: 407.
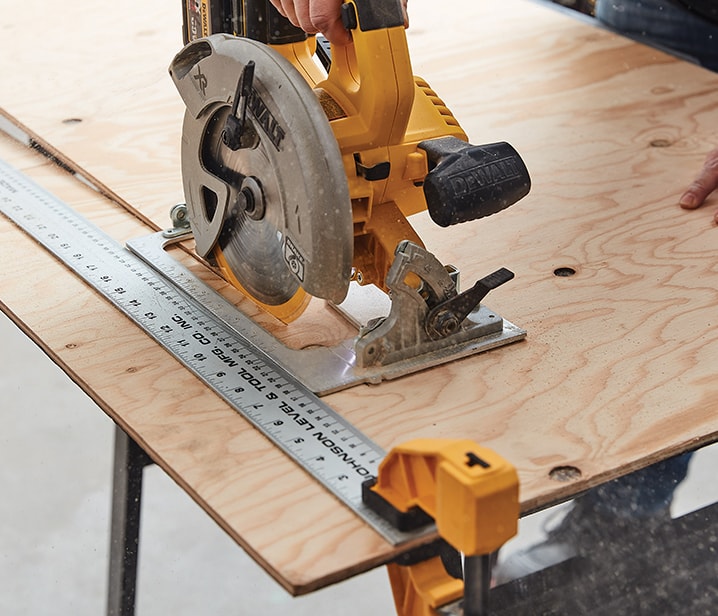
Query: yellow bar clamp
x: 471, y: 492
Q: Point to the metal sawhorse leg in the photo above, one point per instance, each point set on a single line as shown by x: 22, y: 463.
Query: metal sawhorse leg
x: 130, y: 460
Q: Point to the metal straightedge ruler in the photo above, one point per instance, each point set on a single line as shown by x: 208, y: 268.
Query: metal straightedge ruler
x: 329, y: 448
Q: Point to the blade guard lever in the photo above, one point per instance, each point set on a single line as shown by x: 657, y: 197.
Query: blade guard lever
x: 466, y: 182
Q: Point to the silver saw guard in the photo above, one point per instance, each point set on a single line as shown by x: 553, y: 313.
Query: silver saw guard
x: 304, y: 236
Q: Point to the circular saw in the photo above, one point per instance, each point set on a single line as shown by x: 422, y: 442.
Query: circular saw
x: 301, y: 162
x: 266, y: 191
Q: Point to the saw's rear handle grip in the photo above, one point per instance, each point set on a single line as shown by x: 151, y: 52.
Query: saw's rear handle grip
x: 466, y: 182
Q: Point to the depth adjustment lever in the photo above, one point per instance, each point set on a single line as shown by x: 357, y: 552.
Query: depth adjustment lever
x: 445, y: 318
x: 466, y: 182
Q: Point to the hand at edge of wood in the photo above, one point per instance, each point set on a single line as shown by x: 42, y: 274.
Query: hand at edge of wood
x: 703, y: 185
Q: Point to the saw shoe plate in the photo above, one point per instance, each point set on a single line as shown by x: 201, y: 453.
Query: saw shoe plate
x: 276, y: 214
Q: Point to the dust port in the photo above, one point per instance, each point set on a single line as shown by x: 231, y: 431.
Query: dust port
x: 564, y: 474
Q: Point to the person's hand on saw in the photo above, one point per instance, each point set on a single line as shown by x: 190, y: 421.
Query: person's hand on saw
x: 704, y: 184
x: 323, y: 16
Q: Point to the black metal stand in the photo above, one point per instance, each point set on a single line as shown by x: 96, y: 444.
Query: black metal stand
x: 130, y: 460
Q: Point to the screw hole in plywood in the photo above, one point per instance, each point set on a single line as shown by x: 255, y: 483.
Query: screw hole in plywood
x: 564, y: 272
x: 565, y: 473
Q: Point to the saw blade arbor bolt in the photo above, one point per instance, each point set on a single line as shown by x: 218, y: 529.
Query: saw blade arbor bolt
x: 250, y: 198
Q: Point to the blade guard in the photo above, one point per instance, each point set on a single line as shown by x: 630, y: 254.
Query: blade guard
x: 315, y: 219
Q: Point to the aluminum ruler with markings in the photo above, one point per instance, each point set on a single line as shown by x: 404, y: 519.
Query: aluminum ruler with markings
x: 329, y: 448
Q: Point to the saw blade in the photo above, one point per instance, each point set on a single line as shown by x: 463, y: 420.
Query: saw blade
x: 275, y: 212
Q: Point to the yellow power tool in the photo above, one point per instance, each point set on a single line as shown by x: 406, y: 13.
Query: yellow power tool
x: 301, y: 162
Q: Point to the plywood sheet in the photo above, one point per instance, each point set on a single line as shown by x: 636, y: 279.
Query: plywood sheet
x: 618, y: 367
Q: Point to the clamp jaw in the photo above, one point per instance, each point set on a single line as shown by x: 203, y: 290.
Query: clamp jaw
x: 472, y: 495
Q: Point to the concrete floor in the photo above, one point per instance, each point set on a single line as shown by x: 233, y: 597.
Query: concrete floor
x: 56, y: 451
x: 55, y: 481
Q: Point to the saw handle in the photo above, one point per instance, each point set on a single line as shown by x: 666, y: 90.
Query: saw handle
x: 371, y: 78
x: 466, y: 182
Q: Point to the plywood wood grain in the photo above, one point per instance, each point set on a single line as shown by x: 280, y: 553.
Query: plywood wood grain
x: 618, y: 369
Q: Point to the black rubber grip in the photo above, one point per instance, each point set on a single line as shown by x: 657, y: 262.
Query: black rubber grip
x: 466, y: 182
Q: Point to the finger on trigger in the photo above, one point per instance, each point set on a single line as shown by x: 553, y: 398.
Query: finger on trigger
x: 336, y: 33
x: 303, y: 9
x: 326, y: 18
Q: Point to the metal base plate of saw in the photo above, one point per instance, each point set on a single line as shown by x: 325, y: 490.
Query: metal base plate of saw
x: 387, y: 348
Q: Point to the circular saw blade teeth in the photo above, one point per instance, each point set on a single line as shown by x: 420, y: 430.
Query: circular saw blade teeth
x: 278, y: 212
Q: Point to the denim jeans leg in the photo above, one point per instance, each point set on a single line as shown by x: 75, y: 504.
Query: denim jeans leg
x: 665, y: 24
x: 642, y: 494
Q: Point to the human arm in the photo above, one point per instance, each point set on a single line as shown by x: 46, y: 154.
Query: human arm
x: 703, y: 185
